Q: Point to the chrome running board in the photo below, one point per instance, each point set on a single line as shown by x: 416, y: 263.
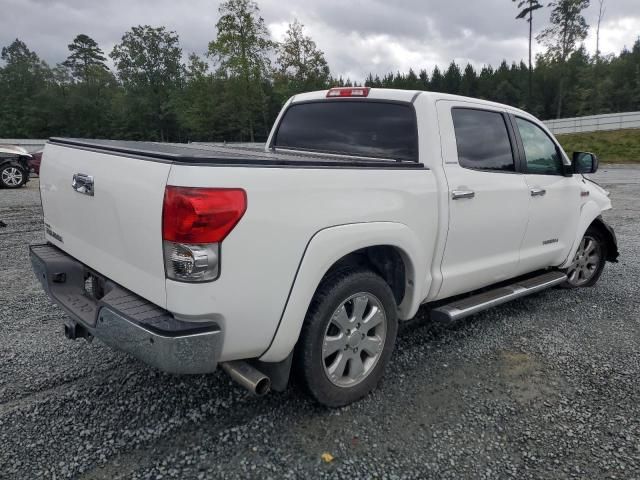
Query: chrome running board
x: 482, y: 301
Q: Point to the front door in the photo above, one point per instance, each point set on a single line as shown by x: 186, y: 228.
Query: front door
x: 554, y: 209
x: 488, y: 199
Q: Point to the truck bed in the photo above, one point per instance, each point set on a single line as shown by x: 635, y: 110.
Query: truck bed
x: 227, y: 155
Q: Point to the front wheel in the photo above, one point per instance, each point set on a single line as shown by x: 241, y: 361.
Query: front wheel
x: 588, y: 262
x: 347, y: 337
x: 12, y: 176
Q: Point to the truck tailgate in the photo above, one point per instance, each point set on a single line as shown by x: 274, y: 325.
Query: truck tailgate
x: 117, y: 230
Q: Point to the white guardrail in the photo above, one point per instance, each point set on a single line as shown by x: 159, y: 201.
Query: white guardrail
x: 594, y: 123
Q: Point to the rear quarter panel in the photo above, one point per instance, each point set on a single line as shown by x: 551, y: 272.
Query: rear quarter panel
x: 286, y: 208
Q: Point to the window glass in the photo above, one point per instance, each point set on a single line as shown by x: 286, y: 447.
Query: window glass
x: 362, y: 128
x: 483, y: 140
x: 541, y: 153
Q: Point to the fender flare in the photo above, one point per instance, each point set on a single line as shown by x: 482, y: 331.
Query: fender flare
x: 328, y: 246
x: 12, y: 161
x: 589, y: 213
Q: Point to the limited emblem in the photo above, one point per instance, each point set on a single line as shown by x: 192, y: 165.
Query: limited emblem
x: 83, y: 183
x: 49, y: 230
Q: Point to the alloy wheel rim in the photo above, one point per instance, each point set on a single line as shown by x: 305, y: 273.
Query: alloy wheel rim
x: 354, y: 340
x: 585, y: 263
x: 12, y: 176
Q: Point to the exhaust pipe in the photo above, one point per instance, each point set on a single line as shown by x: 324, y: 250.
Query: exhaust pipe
x: 248, y: 376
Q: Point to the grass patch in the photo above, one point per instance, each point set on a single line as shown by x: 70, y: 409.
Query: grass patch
x: 616, y: 146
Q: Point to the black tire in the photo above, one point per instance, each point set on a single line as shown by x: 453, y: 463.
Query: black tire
x: 8, y: 171
x: 592, y: 234
x: 333, y: 292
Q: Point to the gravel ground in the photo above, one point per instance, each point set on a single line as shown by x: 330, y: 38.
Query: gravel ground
x: 543, y: 387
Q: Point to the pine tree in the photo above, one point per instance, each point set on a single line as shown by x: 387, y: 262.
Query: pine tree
x: 437, y: 81
x: 527, y: 8
x: 469, y: 83
x: 452, y: 79
x: 85, y: 56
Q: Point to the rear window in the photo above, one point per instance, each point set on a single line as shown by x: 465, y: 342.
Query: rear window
x: 483, y: 140
x: 360, y: 128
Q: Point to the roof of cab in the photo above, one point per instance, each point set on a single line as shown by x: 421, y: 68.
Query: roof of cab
x: 374, y: 93
x: 404, y: 96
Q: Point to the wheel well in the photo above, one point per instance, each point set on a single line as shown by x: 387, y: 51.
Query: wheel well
x: 385, y: 260
x: 609, y: 237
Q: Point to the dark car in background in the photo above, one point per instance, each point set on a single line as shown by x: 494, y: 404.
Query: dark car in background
x: 14, y: 166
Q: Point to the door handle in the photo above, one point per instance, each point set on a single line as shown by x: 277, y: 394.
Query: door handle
x: 537, y: 192
x: 459, y: 194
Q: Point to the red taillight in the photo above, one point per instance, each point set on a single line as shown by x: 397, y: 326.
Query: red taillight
x: 201, y: 215
x: 348, y: 92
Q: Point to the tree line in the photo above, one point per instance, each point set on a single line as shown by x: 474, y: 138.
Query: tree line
x: 235, y: 91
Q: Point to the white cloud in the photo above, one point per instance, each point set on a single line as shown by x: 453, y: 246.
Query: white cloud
x: 614, y: 35
x: 358, y: 36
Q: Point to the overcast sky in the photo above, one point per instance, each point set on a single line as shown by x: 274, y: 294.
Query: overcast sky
x: 356, y: 36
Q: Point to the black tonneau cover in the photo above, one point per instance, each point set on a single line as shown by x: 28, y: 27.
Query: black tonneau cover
x: 227, y: 155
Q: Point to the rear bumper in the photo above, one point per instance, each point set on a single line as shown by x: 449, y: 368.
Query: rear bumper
x: 124, y: 320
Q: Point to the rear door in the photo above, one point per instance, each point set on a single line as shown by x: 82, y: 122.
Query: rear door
x: 113, y: 227
x: 488, y: 198
x: 556, y: 199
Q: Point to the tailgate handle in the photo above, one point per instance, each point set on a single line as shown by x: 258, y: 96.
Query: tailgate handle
x: 83, y: 183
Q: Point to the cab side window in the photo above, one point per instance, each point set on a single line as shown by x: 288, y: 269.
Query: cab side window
x: 542, y: 155
x: 483, y: 140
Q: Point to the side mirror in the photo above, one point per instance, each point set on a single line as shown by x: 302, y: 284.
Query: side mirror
x: 584, y: 162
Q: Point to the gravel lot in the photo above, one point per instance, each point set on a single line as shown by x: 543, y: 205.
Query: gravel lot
x: 544, y: 387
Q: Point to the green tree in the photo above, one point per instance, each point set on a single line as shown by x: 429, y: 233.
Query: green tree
x: 300, y: 63
x: 623, y: 81
x: 373, y: 82
x: 205, y: 109
x: 486, y: 83
x: 149, y: 64
x: 23, y: 80
x: 469, y: 82
x: 424, y: 79
x: 85, y: 56
x: 527, y: 7
x: 83, y: 90
x: 452, y: 79
x: 568, y: 28
x: 412, y: 81
x: 437, y: 80
x: 90, y: 103
x: 504, y: 85
x: 581, y: 97
x: 242, y: 48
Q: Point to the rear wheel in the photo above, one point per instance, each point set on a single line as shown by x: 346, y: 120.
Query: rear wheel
x: 12, y: 176
x: 347, y: 337
x: 588, y: 262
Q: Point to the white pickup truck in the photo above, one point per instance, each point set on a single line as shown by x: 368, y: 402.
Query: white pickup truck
x: 305, y: 254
